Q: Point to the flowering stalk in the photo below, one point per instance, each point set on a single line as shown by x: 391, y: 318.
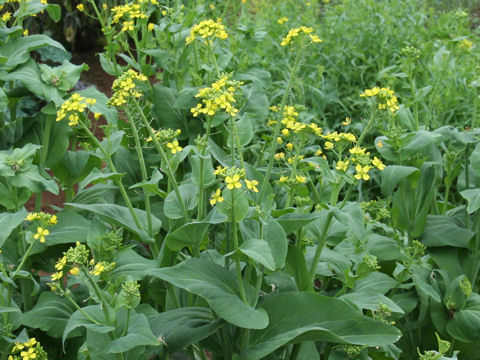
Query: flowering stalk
x: 278, y: 125
x: 143, y: 171
x: 367, y: 128
x: 159, y: 149
x: 43, y: 155
x: 201, y: 193
x: 112, y: 167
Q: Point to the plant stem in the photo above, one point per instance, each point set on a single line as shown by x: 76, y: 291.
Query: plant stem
x: 112, y: 167
x: 201, y: 191
x: 43, y: 156
x: 159, y: 149
x: 143, y: 171
x: 367, y: 128
x: 235, y: 248
x: 278, y: 125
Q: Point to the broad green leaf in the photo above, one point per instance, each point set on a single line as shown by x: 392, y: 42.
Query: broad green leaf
x: 51, y: 314
x: 375, y: 282
x: 297, y: 267
x: 299, y: 317
x: 121, y: 215
x: 111, y: 144
x: 443, y: 230
x: 79, y: 320
x: 259, y: 251
x: 70, y: 228
x: 172, y: 206
x: 208, y: 176
x: 296, y: 220
x: 393, y: 174
x: 100, y: 106
x: 219, y: 287
x: 473, y: 198
x: 371, y: 301
x: 182, y: 327
x: 164, y: 112
x: 97, y: 176
x: 138, y: 334
x: 243, y: 131
x: 277, y: 241
x: 32, y: 180
x: 8, y: 222
x: 465, y: 325
x: 240, y: 202
x: 187, y: 235
x: 256, y: 101
x: 130, y: 264
x: 17, y: 50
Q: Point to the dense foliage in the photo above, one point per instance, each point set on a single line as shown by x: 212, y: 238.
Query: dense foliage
x: 266, y: 180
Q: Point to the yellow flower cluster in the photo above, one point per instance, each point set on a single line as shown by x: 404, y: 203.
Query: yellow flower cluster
x: 124, y: 87
x: 216, y: 197
x: 45, y: 221
x: 282, y: 20
x: 207, y: 29
x: 219, y: 96
x: 128, y: 13
x: 27, y: 351
x: 74, y: 106
x: 76, y: 259
x: 385, y: 97
x: 233, y: 178
x: 360, y: 158
x: 465, y: 44
x: 296, y: 32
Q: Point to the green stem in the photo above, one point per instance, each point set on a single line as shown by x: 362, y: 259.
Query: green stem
x: 475, y: 108
x: 112, y: 167
x: 143, y: 170
x: 214, y: 59
x: 201, y: 190
x: 125, y: 330
x: 367, y: 128
x: 412, y: 90
x: 278, y: 125
x: 159, y: 149
x: 237, y: 258
x: 323, y: 235
x: 43, y: 156
x: 435, y: 89
x: 74, y: 303
x: 22, y: 262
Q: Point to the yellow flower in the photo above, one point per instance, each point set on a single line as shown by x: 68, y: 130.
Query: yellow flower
x: 283, y: 179
x: 378, y: 163
x: 252, y: 185
x: 61, y: 263
x: 75, y: 271
x: 295, y: 32
x: 212, y: 6
x: 289, y: 146
x: 282, y: 20
x: 357, y: 150
x: 380, y: 144
x: 80, y: 7
x: 53, y: 220
x: 6, y: 16
x: 329, y: 145
x: 31, y: 343
x: 342, y: 165
x: 96, y: 116
x: 32, y: 217
x: 362, y: 172
x: 301, y: 179
x: 174, y: 147
x: 347, y: 121
x: 279, y: 140
x: 98, y: 269
x: 57, y: 276
x: 233, y: 182
x: 151, y: 26
x: 315, y: 39
x: 164, y: 12
x: 25, y: 32
x: 279, y: 156
x: 216, y: 197
x: 29, y: 354
x: 318, y: 152
x: 219, y: 170
x: 285, y: 132
x: 41, y: 233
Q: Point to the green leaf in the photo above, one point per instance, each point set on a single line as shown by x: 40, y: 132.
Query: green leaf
x: 296, y: 220
x: 182, y: 327
x: 130, y: 264
x: 256, y: 101
x: 187, y: 235
x: 473, y: 198
x: 120, y: 215
x: 297, y: 267
x: 138, y: 333
x: 33, y: 181
x: 370, y: 301
x: 375, y: 282
x: 219, y: 287
x: 50, y: 314
x: 300, y: 316
x: 240, y: 202
x: 393, y: 174
x: 208, y: 176
x: 111, y: 144
x: 444, y: 231
x: 100, y: 106
x: 17, y: 50
x: 165, y: 113
x: 97, y: 176
x: 172, y: 207
x: 465, y: 325
x: 79, y: 320
x: 259, y: 251
x: 8, y: 222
